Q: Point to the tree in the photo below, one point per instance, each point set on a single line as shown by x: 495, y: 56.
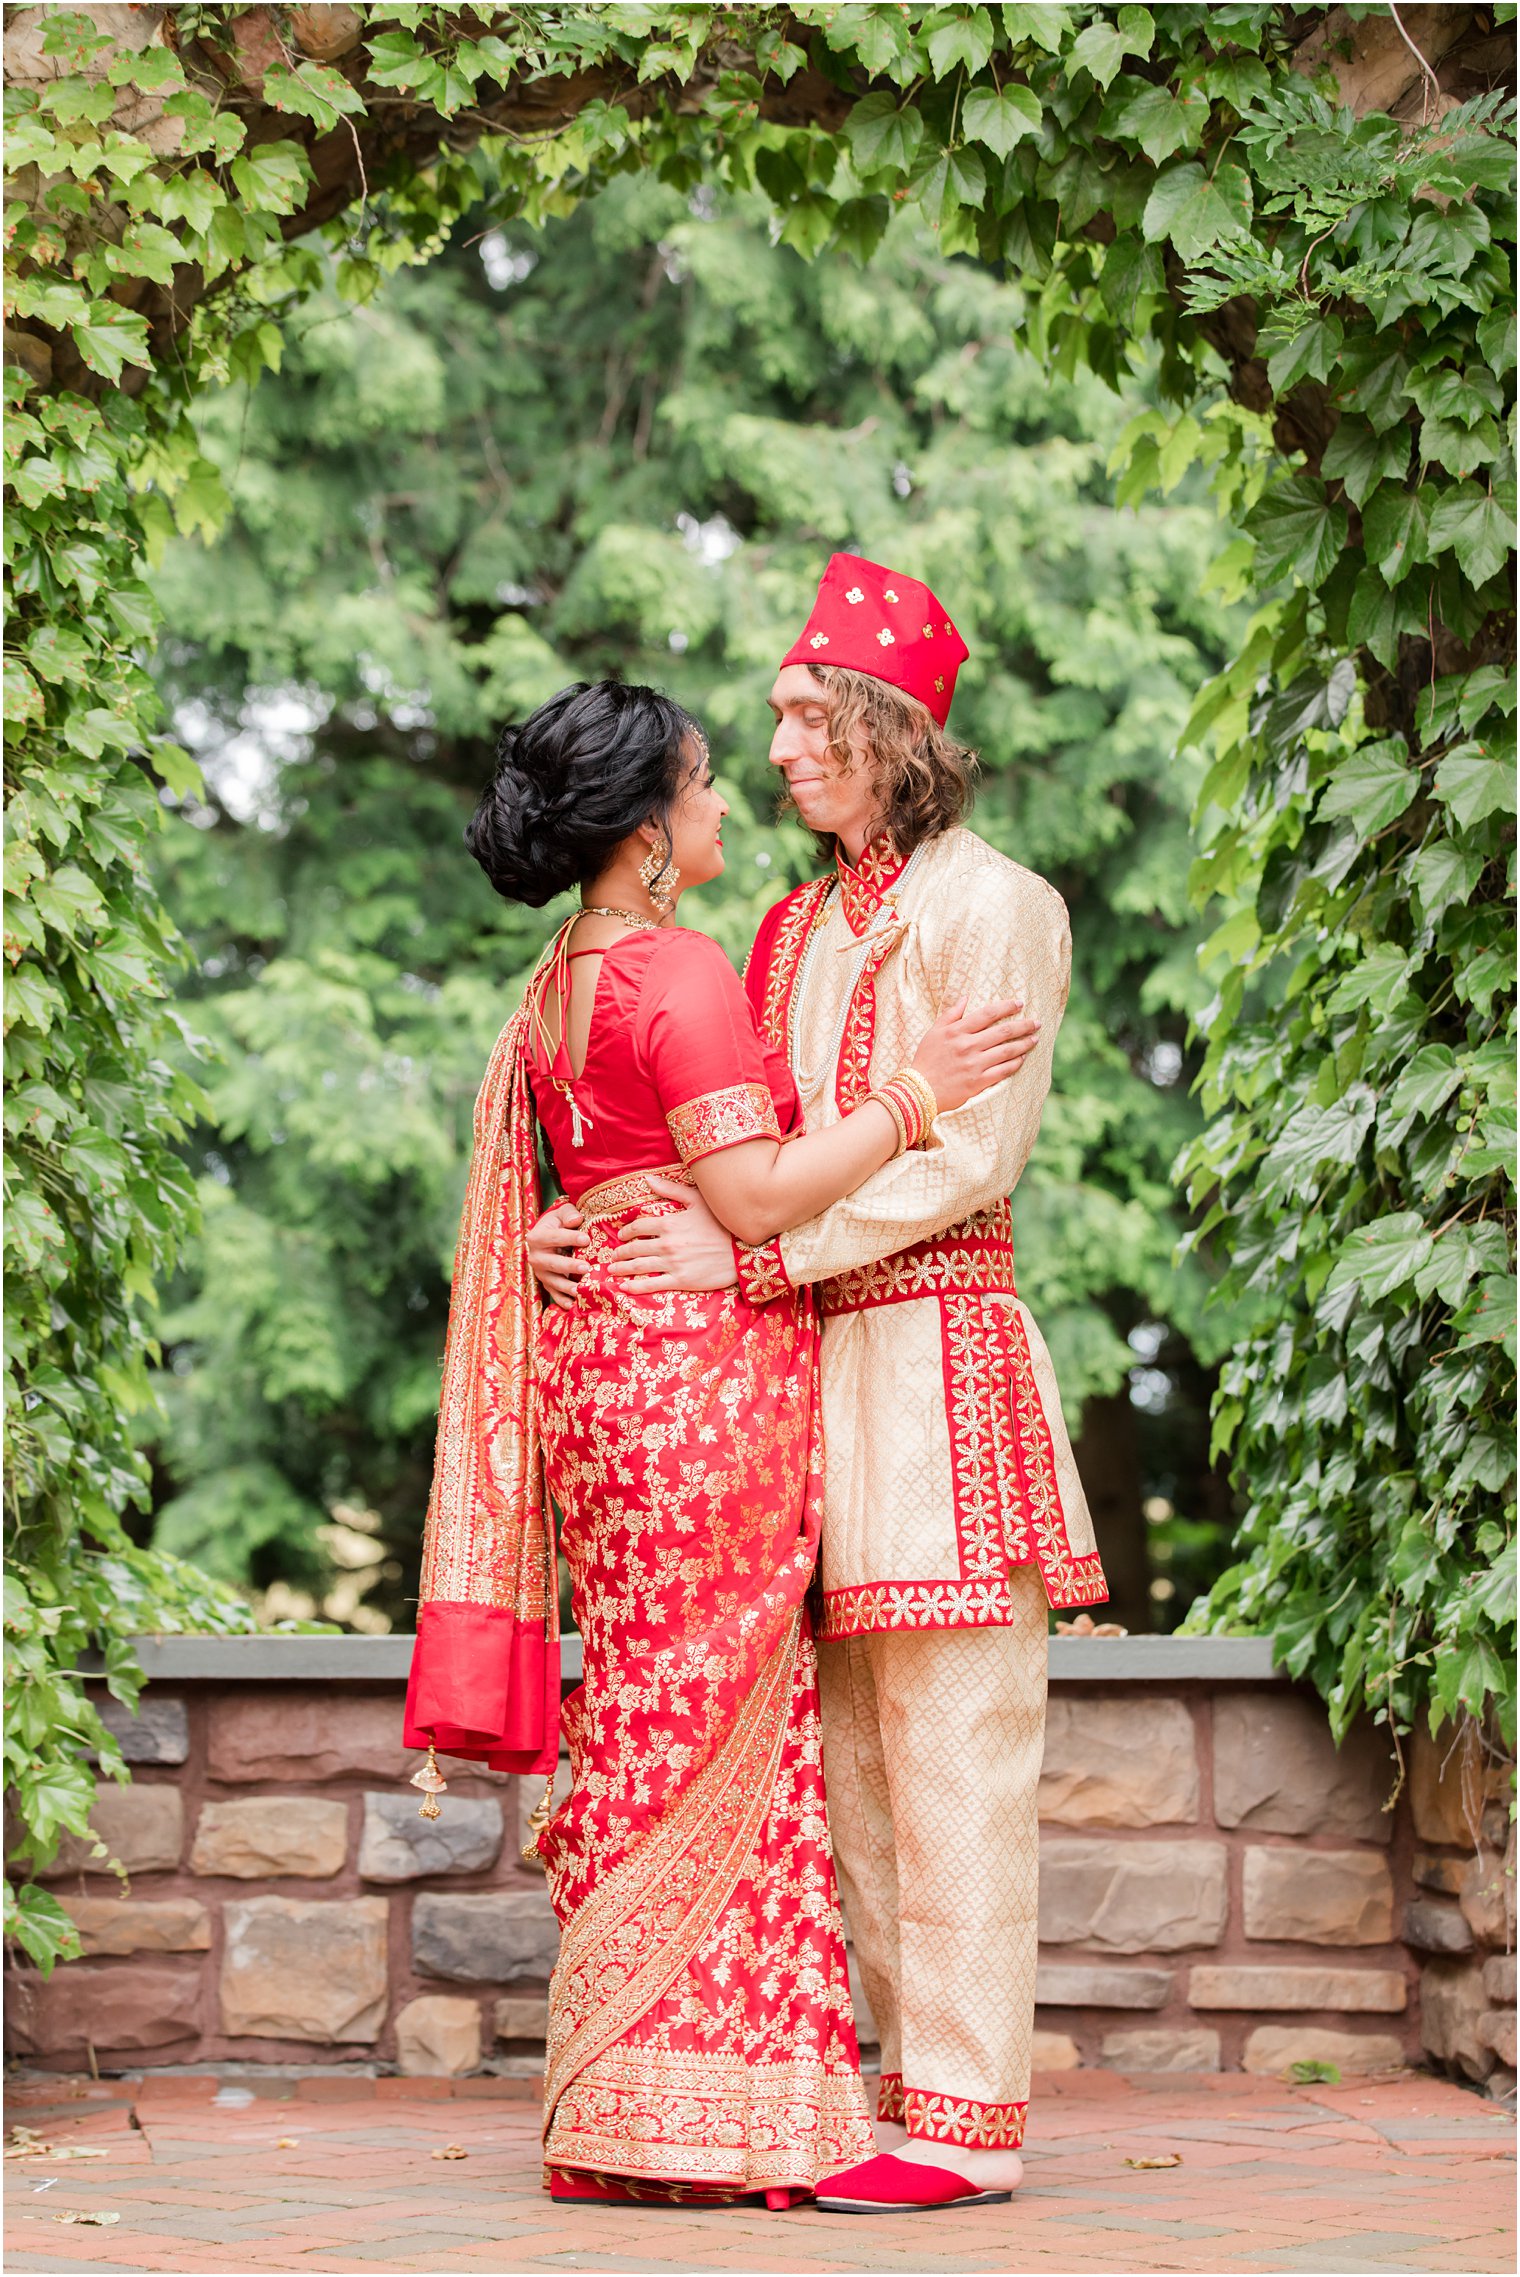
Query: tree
x: 1299, y: 221
x: 660, y: 507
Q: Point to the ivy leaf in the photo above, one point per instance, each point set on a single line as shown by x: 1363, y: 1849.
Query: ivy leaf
x: 1381, y: 979
x: 881, y: 135
x: 109, y: 338
x: 1395, y: 532
x: 396, y: 60
x: 1379, y: 613
x: 1308, y: 353
x: 30, y: 142
x: 272, y: 177
x: 877, y: 34
x: 147, y: 250
x: 965, y: 179
x: 1423, y: 1089
x: 1162, y: 122
x: 1475, y: 526
x: 178, y: 770
x: 1001, y: 120
x: 1298, y: 532
x: 1384, y: 1256
x: 776, y: 54
x: 1372, y: 787
x: 192, y: 197
x: 315, y: 90
x: 1039, y: 24
x: 1362, y: 457
x: 44, y: 1930
x: 1099, y: 50
x: 1496, y: 339
x: 1196, y: 212
x: 1442, y: 873
x: 1472, y: 784
x: 23, y: 697
x: 36, y: 479
x: 1376, y: 370
x: 966, y: 39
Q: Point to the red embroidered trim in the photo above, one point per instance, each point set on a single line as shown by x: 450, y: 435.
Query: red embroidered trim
x: 800, y: 912
x: 762, y: 1274
x: 852, y: 1077
x: 976, y: 1254
x: 959, y: 2119
x: 878, y: 1605
x: 863, y: 889
x: 722, y: 1118
x: 889, y: 2096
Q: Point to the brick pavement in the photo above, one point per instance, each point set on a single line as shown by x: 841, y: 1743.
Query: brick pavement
x: 322, y: 2174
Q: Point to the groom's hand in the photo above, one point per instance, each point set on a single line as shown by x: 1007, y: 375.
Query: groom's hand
x: 687, y: 1250
x: 552, y: 1244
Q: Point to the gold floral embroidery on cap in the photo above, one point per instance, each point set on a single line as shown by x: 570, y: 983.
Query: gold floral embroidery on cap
x: 723, y: 1118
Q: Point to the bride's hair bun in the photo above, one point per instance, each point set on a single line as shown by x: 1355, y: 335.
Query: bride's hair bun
x: 572, y: 782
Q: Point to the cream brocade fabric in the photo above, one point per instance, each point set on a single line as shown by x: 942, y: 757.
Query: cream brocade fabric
x: 931, y: 1759
x: 979, y: 926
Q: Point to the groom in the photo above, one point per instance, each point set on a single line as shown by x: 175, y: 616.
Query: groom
x: 953, y: 1512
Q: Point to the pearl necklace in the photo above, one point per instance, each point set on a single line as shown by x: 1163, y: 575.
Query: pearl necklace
x: 809, y: 1078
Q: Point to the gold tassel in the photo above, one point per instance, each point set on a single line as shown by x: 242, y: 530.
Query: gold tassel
x: 538, y: 1819
x: 433, y: 1784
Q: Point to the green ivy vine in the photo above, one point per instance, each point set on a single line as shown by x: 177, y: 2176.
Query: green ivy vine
x: 1325, y: 293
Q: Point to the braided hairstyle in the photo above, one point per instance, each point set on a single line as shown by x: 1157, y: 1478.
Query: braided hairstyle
x: 573, y: 781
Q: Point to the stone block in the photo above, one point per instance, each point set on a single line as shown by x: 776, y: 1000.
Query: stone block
x: 159, y: 1731
x: 1132, y: 1897
x: 271, y: 1835
x: 1152, y: 2049
x: 398, y: 1846
x: 1446, y: 1785
x: 1279, y: 1985
x: 1053, y: 2051
x: 305, y: 1735
x: 112, y: 2010
x: 142, y: 1826
x: 304, y: 1968
x: 1487, y: 1896
x: 1496, y: 2031
x: 1431, y: 1927
x: 1453, y: 2005
x: 1276, y: 1769
x: 1318, y: 1897
x: 1433, y: 1872
x: 438, y: 2037
x: 521, y: 2016
x: 495, y: 1938
x: 1130, y: 1761
x: 134, y: 1925
x: 1276, y: 2048
x: 1059, y: 1984
x: 1499, y: 1979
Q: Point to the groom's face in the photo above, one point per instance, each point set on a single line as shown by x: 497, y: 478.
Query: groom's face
x: 828, y: 796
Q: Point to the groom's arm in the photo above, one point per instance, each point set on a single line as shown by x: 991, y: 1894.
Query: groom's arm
x: 1011, y: 938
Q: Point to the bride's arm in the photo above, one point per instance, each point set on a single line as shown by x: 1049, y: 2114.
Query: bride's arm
x: 763, y: 1186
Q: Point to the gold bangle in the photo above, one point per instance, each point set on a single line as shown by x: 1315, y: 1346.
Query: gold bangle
x: 921, y: 1086
x: 884, y: 1098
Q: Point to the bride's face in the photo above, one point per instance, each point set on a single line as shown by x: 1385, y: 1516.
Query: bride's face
x: 696, y: 823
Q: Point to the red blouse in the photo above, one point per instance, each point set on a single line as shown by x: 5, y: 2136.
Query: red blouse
x: 675, y: 1066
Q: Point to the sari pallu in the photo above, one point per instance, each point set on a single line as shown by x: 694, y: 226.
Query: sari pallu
x: 700, y: 2026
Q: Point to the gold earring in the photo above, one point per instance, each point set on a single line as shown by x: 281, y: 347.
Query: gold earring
x: 659, y: 877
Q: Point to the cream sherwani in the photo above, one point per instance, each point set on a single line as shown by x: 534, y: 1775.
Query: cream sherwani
x: 952, y: 1507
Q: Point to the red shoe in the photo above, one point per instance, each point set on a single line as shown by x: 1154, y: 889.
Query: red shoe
x: 889, y: 2185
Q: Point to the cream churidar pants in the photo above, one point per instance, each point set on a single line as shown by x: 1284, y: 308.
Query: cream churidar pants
x: 932, y: 1743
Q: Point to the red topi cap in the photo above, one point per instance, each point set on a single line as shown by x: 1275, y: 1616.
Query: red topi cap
x: 870, y: 619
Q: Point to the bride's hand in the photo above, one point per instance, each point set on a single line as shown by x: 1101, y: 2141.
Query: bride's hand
x: 972, y: 1046
x: 552, y: 1244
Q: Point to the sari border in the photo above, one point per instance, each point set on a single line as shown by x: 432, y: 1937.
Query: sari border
x: 639, y: 1881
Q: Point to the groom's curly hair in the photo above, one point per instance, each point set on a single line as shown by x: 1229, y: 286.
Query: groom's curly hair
x: 927, y: 779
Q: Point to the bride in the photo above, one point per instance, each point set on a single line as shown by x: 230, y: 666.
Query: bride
x: 700, y: 2037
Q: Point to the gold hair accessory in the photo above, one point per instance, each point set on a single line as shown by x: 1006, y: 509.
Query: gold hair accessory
x: 659, y: 877
x: 433, y: 1784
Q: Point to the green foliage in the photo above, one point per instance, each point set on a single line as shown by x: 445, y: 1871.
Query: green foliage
x: 425, y: 543
x: 1189, y: 190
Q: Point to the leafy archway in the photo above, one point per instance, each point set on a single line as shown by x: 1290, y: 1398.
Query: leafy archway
x: 1302, y: 214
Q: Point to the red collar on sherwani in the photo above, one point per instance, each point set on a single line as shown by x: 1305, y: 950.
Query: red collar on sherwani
x: 864, y: 889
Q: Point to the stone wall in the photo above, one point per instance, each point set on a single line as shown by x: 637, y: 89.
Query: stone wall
x: 1220, y: 1888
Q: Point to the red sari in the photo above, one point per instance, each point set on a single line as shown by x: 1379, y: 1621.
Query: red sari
x: 700, y: 2026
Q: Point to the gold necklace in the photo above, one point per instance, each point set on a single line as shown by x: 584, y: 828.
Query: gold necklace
x: 629, y: 916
